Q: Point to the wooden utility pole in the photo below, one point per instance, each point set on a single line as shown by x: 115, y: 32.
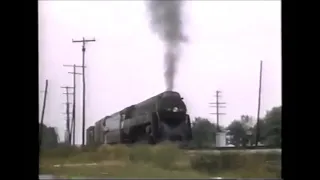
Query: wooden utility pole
x: 259, y: 104
x: 73, y: 123
x: 42, y: 114
x: 217, y: 105
x: 68, y: 138
x: 83, y: 41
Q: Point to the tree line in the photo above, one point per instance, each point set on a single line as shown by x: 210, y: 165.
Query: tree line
x: 50, y: 137
x: 241, y: 132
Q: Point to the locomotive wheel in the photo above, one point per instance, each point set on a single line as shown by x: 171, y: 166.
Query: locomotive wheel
x: 151, y: 140
x: 154, y: 127
x: 189, y: 128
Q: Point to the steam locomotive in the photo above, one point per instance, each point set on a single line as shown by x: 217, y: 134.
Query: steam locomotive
x: 160, y: 118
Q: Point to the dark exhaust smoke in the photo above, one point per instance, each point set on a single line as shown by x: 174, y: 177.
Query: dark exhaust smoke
x: 166, y: 21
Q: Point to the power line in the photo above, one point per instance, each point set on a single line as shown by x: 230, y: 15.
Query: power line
x: 83, y: 41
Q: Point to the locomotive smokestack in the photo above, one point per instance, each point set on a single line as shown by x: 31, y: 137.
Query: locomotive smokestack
x: 166, y: 21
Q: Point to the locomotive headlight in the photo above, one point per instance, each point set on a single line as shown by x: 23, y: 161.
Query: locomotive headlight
x: 175, y: 109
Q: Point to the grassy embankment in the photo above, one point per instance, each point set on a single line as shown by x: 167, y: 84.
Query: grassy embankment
x: 161, y: 161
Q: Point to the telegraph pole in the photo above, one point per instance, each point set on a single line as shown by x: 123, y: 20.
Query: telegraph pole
x: 73, y: 123
x: 42, y: 113
x: 83, y: 41
x: 68, y: 138
x: 69, y: 134
x: 217, y: 105
x: 259, y: 103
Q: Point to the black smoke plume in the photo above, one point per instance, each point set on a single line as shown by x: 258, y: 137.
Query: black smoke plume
x: 166, y: 21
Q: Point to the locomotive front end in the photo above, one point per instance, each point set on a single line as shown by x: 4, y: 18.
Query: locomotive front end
x: 174, y: 120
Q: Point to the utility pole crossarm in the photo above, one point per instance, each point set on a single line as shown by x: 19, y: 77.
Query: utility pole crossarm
x: 217, y: 106
x: 217, y: 103
x: 74, y: 66
x: 219, y: 113
x: 75, y: 73
x: 83, y: 40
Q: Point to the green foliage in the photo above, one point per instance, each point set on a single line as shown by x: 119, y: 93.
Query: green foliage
x: 243, y: 132
x: 49, y: 137
x: 206, y: 163
x: 137, y: 170
x: 157, y: 155
x: 203, y: 132
x: 215, y: 162
x: 61, y: 152
x: 114, y: 152
x: 237, y: 133
x: 166, y: 155
x: 223, y: 162
x: 272, y: 127
x: 163, y: 157
x: 141, y: 153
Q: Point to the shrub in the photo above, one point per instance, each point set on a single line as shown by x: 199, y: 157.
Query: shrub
x: 61, y: 152
x: 141, y: 153
x: 114, y: 152
x: 273, y: 156
x: 205, y: 162
x: 166, y: 155
x: 233, y: 162
x: 91, y: 148
x: 86, y: 157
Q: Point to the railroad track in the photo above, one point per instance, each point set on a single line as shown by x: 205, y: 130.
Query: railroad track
x: 235, y: 150
x: 262, y: 149
x: 48, y: 176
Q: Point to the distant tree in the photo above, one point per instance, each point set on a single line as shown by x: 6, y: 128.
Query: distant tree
x: 203, y: 132
x: 271, y: 127
x: 236, y: 133
x: 241, y: 131
x: 50, y: 138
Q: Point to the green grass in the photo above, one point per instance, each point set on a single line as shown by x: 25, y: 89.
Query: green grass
x: 120, y: 170
x: 161, y: 161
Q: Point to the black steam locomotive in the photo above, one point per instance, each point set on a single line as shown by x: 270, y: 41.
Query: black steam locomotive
x: 160, y: 118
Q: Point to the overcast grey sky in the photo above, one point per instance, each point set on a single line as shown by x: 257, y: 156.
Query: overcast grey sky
x: 227, y: 39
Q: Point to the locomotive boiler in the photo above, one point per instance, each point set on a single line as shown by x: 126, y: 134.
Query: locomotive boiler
x: 159, y: 118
